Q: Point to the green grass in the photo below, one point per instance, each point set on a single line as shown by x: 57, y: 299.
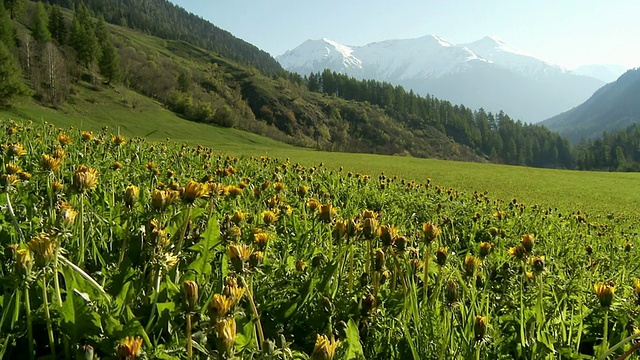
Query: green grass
x: 595, y: 192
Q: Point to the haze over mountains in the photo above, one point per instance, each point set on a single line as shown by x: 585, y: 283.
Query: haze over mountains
x: 487, y: 73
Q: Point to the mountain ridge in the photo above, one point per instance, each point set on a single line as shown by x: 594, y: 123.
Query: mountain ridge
x: 428, y: 65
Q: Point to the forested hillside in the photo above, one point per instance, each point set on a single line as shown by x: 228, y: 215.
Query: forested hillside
x: 52, y: 53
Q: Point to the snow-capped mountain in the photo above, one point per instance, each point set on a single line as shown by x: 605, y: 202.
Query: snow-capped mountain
x: 486, y: 73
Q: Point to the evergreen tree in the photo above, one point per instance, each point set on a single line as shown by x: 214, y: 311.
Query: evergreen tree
x: 40, y: 24
x: 57, y: 26
x: 11, y: 84
x: 7, y: 31
x: 14, y: 7
x: 83, y: 38
x: 109, y: 62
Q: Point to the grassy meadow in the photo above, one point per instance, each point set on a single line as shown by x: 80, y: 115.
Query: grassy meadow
x: 131, y: 114
x: 227, y: 246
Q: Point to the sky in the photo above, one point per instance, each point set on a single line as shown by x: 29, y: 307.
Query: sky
x: 569, y: 33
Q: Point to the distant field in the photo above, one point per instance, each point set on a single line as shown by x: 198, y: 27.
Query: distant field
x: 595, y: 192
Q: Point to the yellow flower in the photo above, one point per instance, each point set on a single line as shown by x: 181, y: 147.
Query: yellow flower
x: 369, y: 214
x: 485, y: 249
x: 388, y: 234
x: 13, y: 168
x: 269, y: 217
x: 302, y: 190
x: 131, y: 194
x: 129, y: 349
x: 23, y: 262
x: 43, y: 249
x: 59, y: 152
x: 339, y: 229
x: 471, y: 264
x: 441, y: 256
x: 312, y: 204
x: 537, y: 263
x: 192, y: 191
x: 527, y: 242
x: 279, y: 186
x: 190, y: 293
x: 233, y: 191
x: 518, y: 252
x: 238, y: 217
x: 117, y: 165
x: 85, y: 178
x: 64, y: 139
x: 604, y: 292
x: 326, y: 212
x: 324, y: 348
x: 87, y: 136
x: 430, y: 232
x: 15, y: 150
x: 261, y: 239
x: 220, y: 306
x: 480, y: 327
x: 50, y: 163
x: 9, y: 180
x: 370, y: 228
x: 226, y: 334
x: 239, y: 254
x: 118, y: 140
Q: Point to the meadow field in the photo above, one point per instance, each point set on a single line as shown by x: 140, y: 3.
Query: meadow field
x: 220, y: 244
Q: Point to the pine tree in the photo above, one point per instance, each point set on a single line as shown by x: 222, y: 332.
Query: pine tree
x: 7, y: 31
x: 57, y: 27
x: 83, y: 38
x: 40, y: 24
x: 11, y: 84
x: 14, y: 7
x: 109, y: 62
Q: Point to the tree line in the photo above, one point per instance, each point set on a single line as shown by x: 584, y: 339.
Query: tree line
x: 495, y: 136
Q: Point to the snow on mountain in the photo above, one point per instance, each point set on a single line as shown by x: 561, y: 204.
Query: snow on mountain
x: 486, y: 73
x: 501, y: 54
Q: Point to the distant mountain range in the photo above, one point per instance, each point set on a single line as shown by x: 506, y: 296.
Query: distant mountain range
x: 486, y: 73
x: 613, y: 107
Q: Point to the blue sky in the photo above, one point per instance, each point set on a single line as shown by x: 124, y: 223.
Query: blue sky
x: 564, y: 32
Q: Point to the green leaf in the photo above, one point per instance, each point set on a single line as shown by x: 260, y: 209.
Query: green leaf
x: 77, y: 319
x: 354, y: 348
x: 210, y: 238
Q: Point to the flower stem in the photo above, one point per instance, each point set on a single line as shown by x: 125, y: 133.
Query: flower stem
x: 27, y: 305
x: 45, y: 301
x: 189, y: 344
x: 184, y: 231
x: 255, y: 313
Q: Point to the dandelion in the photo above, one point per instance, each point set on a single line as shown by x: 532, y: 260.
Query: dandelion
x: 158, y: 199
x: 131, y: 194
x: 239, y: 254
x: 485, y: 249
x: 261, y: 239
x: 190, y: 293
x: 24, y: 176
x: 59, y: 152
x: 87, y: 136
x: 256, y: 258
x: 379, y: 261
x: 65, y: 139
x: 279, y: 186
x: 339, y: 229
x: 313, y: 204
x: 269, y: 217
x: 302, y: 190
x: 537, y: 264
x: 118, y: 140
x: 300, y: 265
x: 13, y: 168
x: 324, y: 348
x: 471, y: 264
x: 451, y: 292
x: 430, y: 231
x: 117, y: 165
x: 326, y: 213
x: 441, y: 256
x: 50, y: 163
x: 636, y: 287
x: 9, y: 180
x: 85, y: 178
x: 519, y: 252
x: 238, y: 217
x: 15, y: 150
x: 370, y: 228
x: 129, y: 349
x: 604, y: 292
x: 226, y: 334
x: 233, y: 191
x: 24, y: 262
x: 388, y: 234
x: 192, y: 191
x: 43, y: 249
x: 527, y: 242
x: 480, y: 327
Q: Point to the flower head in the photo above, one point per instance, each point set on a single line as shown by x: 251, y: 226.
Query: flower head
x: 324, y: 348
x: 604, y: 292
x: 43, y: 248
x: 50, y: 163
x: 129, y: 349
x: 226, y: 334
x: 430, y: 231
x: 192, y: 191
x: 85, y: 178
